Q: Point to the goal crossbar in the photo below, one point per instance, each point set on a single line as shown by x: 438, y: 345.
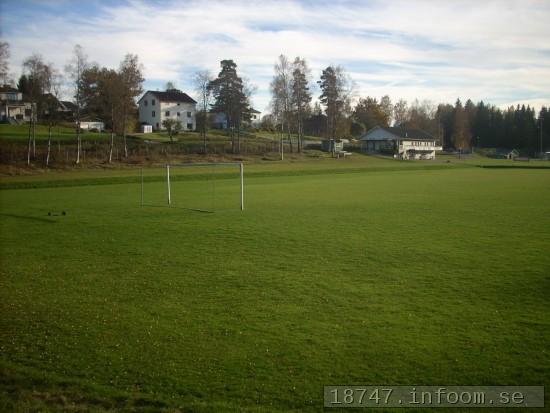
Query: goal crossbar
x: 200, y: 164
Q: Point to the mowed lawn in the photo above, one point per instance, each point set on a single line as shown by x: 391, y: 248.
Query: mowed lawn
x: 361, y: 277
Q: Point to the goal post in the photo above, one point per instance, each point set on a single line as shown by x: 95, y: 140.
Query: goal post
x: 205, y: 187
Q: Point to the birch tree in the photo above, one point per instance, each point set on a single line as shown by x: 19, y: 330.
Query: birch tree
x: 53, y: 108
x: 301, y: 96
x: 203, y: 81
x: 400, y: 112
x: 4, y: 65
x: 75, y: 69
x: 131, y: 77
x: 38, y: 77
x: 281, y: 92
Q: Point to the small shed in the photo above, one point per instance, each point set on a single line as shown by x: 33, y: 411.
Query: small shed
x: 332, y: 145
x: 506, y: 154
x: 146, y: 128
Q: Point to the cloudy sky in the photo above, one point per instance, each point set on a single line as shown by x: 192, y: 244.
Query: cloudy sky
x: 496, y: 51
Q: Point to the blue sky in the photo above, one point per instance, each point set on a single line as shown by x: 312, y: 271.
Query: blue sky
x: 496, y: 51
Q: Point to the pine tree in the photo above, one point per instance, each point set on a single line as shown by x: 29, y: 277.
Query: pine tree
x: 230, y: 99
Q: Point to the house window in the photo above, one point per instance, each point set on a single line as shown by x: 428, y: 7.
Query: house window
x: 145, y: 103
x: 188, y: 114
x: 167, y: 113
x: 189, y: 126
x: 152, y: 102
x: 153, y: 114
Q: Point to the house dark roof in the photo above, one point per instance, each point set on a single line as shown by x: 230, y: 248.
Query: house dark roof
x: 8, y: 89
x: 405, y: 133
x: 68, y: 105
x: 502, y: 151
x: 171, y: 95
x: 250, y: 111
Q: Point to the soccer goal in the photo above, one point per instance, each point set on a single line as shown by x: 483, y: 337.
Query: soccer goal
x: 204, y: 187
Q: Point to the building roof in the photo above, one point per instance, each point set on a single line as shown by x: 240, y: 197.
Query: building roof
x: 68, y: 105
x: 171, y: 95
x: 501, y: 151
x: 8, y: 89
x: 404, y: 133
x: 250, y: 111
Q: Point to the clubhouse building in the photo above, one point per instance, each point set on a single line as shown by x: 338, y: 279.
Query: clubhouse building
x: 403, y: 143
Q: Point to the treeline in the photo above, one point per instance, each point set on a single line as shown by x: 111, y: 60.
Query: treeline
x: 98, y: 92
x: 459, y: 126
x: 337, y: 112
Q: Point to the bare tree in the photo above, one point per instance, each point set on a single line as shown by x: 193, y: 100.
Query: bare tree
x: 400, y: 112
x: 281, y: 92
x: 39, y: 78
x: 301, y: 96
x: 53, y: 107
x: 131, y: 76
x: 75, y: 69
x: 387, y: 107
x: 203, y: 81
x: 169, y: 85
x: 4, y: 65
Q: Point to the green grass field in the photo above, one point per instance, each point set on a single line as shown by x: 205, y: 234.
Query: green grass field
x: 365, y: 272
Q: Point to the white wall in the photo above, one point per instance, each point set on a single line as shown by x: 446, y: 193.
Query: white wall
x: 183, y: 109
x: 146, y: 111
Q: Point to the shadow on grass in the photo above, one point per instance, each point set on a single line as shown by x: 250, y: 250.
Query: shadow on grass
x: 27, y: 218
x: 204, y: 211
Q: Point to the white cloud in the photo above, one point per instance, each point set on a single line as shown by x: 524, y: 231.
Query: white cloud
x: 491, y: 50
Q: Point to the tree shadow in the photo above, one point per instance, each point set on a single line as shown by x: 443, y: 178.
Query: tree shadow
x: 27, y: 218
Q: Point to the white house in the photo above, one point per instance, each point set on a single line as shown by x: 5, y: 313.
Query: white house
x: 92, y: 124
x: 12, y: 105
x: 155, y: 107
x: 219, y: 120
x: 402, y: 142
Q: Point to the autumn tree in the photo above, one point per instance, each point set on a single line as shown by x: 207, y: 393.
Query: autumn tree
x: 101, y: 93
x: 369, y: 113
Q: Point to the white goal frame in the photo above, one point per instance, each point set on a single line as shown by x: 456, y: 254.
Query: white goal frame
x: 203, y: 164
